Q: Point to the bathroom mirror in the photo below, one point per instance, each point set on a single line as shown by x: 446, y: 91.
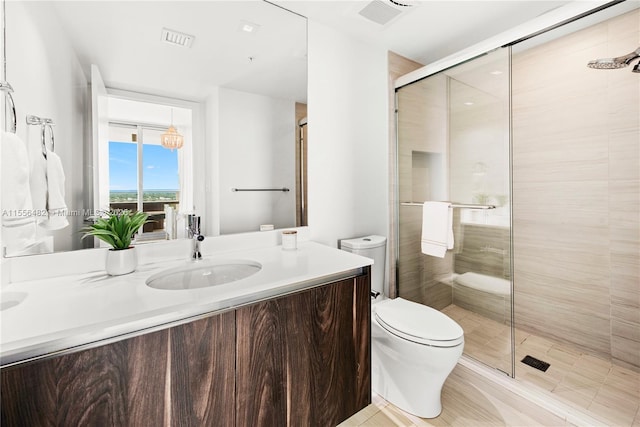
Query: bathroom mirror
x: 231, y: 76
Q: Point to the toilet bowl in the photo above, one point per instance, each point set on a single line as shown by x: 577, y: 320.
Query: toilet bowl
x: 414, y: 348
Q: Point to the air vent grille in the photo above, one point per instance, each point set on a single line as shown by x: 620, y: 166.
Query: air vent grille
x: 379, y: 12
x: 177, y: 38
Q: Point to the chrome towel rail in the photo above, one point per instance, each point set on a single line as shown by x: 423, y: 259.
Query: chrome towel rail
x: 283, y: 189
x: 44, y: 123
x: 8, y: 90
x: 454, y: 205
x: 35, y: 120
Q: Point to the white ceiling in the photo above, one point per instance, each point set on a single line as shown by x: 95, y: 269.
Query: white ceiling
x: 123, y: 39
x: 431, y: 29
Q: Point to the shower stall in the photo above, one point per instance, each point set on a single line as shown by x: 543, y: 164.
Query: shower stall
x: 537, y: 144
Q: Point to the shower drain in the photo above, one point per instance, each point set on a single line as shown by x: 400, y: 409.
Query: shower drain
x: 535, y: 363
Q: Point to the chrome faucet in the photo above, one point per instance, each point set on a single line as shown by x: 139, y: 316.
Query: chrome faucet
x: 193, y: 229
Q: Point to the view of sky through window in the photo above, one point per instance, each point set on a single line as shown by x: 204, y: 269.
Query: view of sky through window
x: 160, y: 172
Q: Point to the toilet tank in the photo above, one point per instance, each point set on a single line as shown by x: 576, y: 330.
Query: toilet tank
x: 373, y: 247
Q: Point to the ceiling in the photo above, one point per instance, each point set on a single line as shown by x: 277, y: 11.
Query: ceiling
x: 122, y: 38
x: 429, y: 30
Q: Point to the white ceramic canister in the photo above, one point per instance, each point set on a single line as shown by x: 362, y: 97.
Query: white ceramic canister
x: 290, y: 240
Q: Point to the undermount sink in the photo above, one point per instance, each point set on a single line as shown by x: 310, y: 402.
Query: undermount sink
x: 203, y: 274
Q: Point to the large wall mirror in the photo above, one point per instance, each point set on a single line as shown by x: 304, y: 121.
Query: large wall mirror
x: 99, y: 84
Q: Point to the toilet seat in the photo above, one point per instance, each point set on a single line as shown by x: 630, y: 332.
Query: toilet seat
x: 418, y: 323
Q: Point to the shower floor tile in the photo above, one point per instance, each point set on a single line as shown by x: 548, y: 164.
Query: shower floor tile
x: 593, y: 384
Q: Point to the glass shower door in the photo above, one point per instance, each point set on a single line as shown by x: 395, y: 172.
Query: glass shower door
x: 453, y: 145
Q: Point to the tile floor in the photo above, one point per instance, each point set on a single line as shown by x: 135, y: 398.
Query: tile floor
x: 467, y: 400
x: 593, y: 385
x: 605, y: 391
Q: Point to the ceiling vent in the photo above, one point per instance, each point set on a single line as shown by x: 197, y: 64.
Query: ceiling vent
x: 382, y: 12
x: 176, y: 38
x: 379, y: 12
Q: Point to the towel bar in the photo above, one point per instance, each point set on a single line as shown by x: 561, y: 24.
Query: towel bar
x: 43, y: 139
x: 8, y: 90
x: 283, y: 189
x: 454, y: 205
x: 44, y: 123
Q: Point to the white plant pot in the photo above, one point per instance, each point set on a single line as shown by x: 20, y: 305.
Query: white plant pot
x: 121, y: 261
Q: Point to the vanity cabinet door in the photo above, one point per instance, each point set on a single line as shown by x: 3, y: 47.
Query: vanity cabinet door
x: 112, y: 385
x: 304, y: 359
x: 182, y: 376
x: 203, y: 372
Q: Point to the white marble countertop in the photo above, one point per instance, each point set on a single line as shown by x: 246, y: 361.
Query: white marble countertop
x: 64, y: 312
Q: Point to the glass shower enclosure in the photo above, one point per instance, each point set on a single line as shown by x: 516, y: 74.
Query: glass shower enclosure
x: 546, y: 149
x: 454, y: 145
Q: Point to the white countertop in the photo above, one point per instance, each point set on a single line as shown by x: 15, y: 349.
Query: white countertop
x: 75, y: 310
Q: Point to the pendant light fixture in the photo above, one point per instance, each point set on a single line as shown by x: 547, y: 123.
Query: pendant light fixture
x: 171, y: 138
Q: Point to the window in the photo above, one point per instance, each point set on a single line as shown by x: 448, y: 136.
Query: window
x: 133, y: 171
x: 143, y: 175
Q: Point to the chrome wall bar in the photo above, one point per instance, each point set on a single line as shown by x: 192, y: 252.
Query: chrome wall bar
x: 44, y: 123
x: 454, y: 205
x: 35, y: 120
x: 283, y: 189
x: 8, y: 90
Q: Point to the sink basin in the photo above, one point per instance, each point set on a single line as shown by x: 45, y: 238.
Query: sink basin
x: 203, y: 274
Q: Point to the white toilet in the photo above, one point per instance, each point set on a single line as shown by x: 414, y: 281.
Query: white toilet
x: 414, y: 348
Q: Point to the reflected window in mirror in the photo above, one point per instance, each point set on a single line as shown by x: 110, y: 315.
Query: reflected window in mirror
x: 143, y: 176
x: 140, y: 173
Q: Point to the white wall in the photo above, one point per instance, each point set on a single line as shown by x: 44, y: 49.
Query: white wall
x: 256, y: 149
x: 211, y: 174
x: 48, y: 82
x: 348, y: 137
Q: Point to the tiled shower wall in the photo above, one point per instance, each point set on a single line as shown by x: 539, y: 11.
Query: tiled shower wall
x: 576, y: 191
x: 422, y: 131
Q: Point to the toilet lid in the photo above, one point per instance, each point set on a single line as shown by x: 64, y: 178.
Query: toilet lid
x: 419, y: 323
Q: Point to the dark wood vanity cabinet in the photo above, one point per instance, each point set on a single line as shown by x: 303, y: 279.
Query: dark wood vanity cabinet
x: 297, y: 360
x: 304, y: 360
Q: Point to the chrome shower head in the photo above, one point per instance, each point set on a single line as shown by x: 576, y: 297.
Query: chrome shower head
x: 606, y: 64
x: 613, y: 63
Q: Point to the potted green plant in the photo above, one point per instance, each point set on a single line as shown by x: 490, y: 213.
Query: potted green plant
x: 117, y: 228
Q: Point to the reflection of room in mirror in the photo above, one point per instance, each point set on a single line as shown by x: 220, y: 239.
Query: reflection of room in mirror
x: 67, y: 41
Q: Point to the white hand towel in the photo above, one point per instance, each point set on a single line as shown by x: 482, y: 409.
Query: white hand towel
x: 56, y: 206
x: 18, y: 222
x: 437, y: 228
x: 16, y: 193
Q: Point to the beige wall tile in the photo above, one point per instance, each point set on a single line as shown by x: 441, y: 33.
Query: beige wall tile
x: 576, y: 171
